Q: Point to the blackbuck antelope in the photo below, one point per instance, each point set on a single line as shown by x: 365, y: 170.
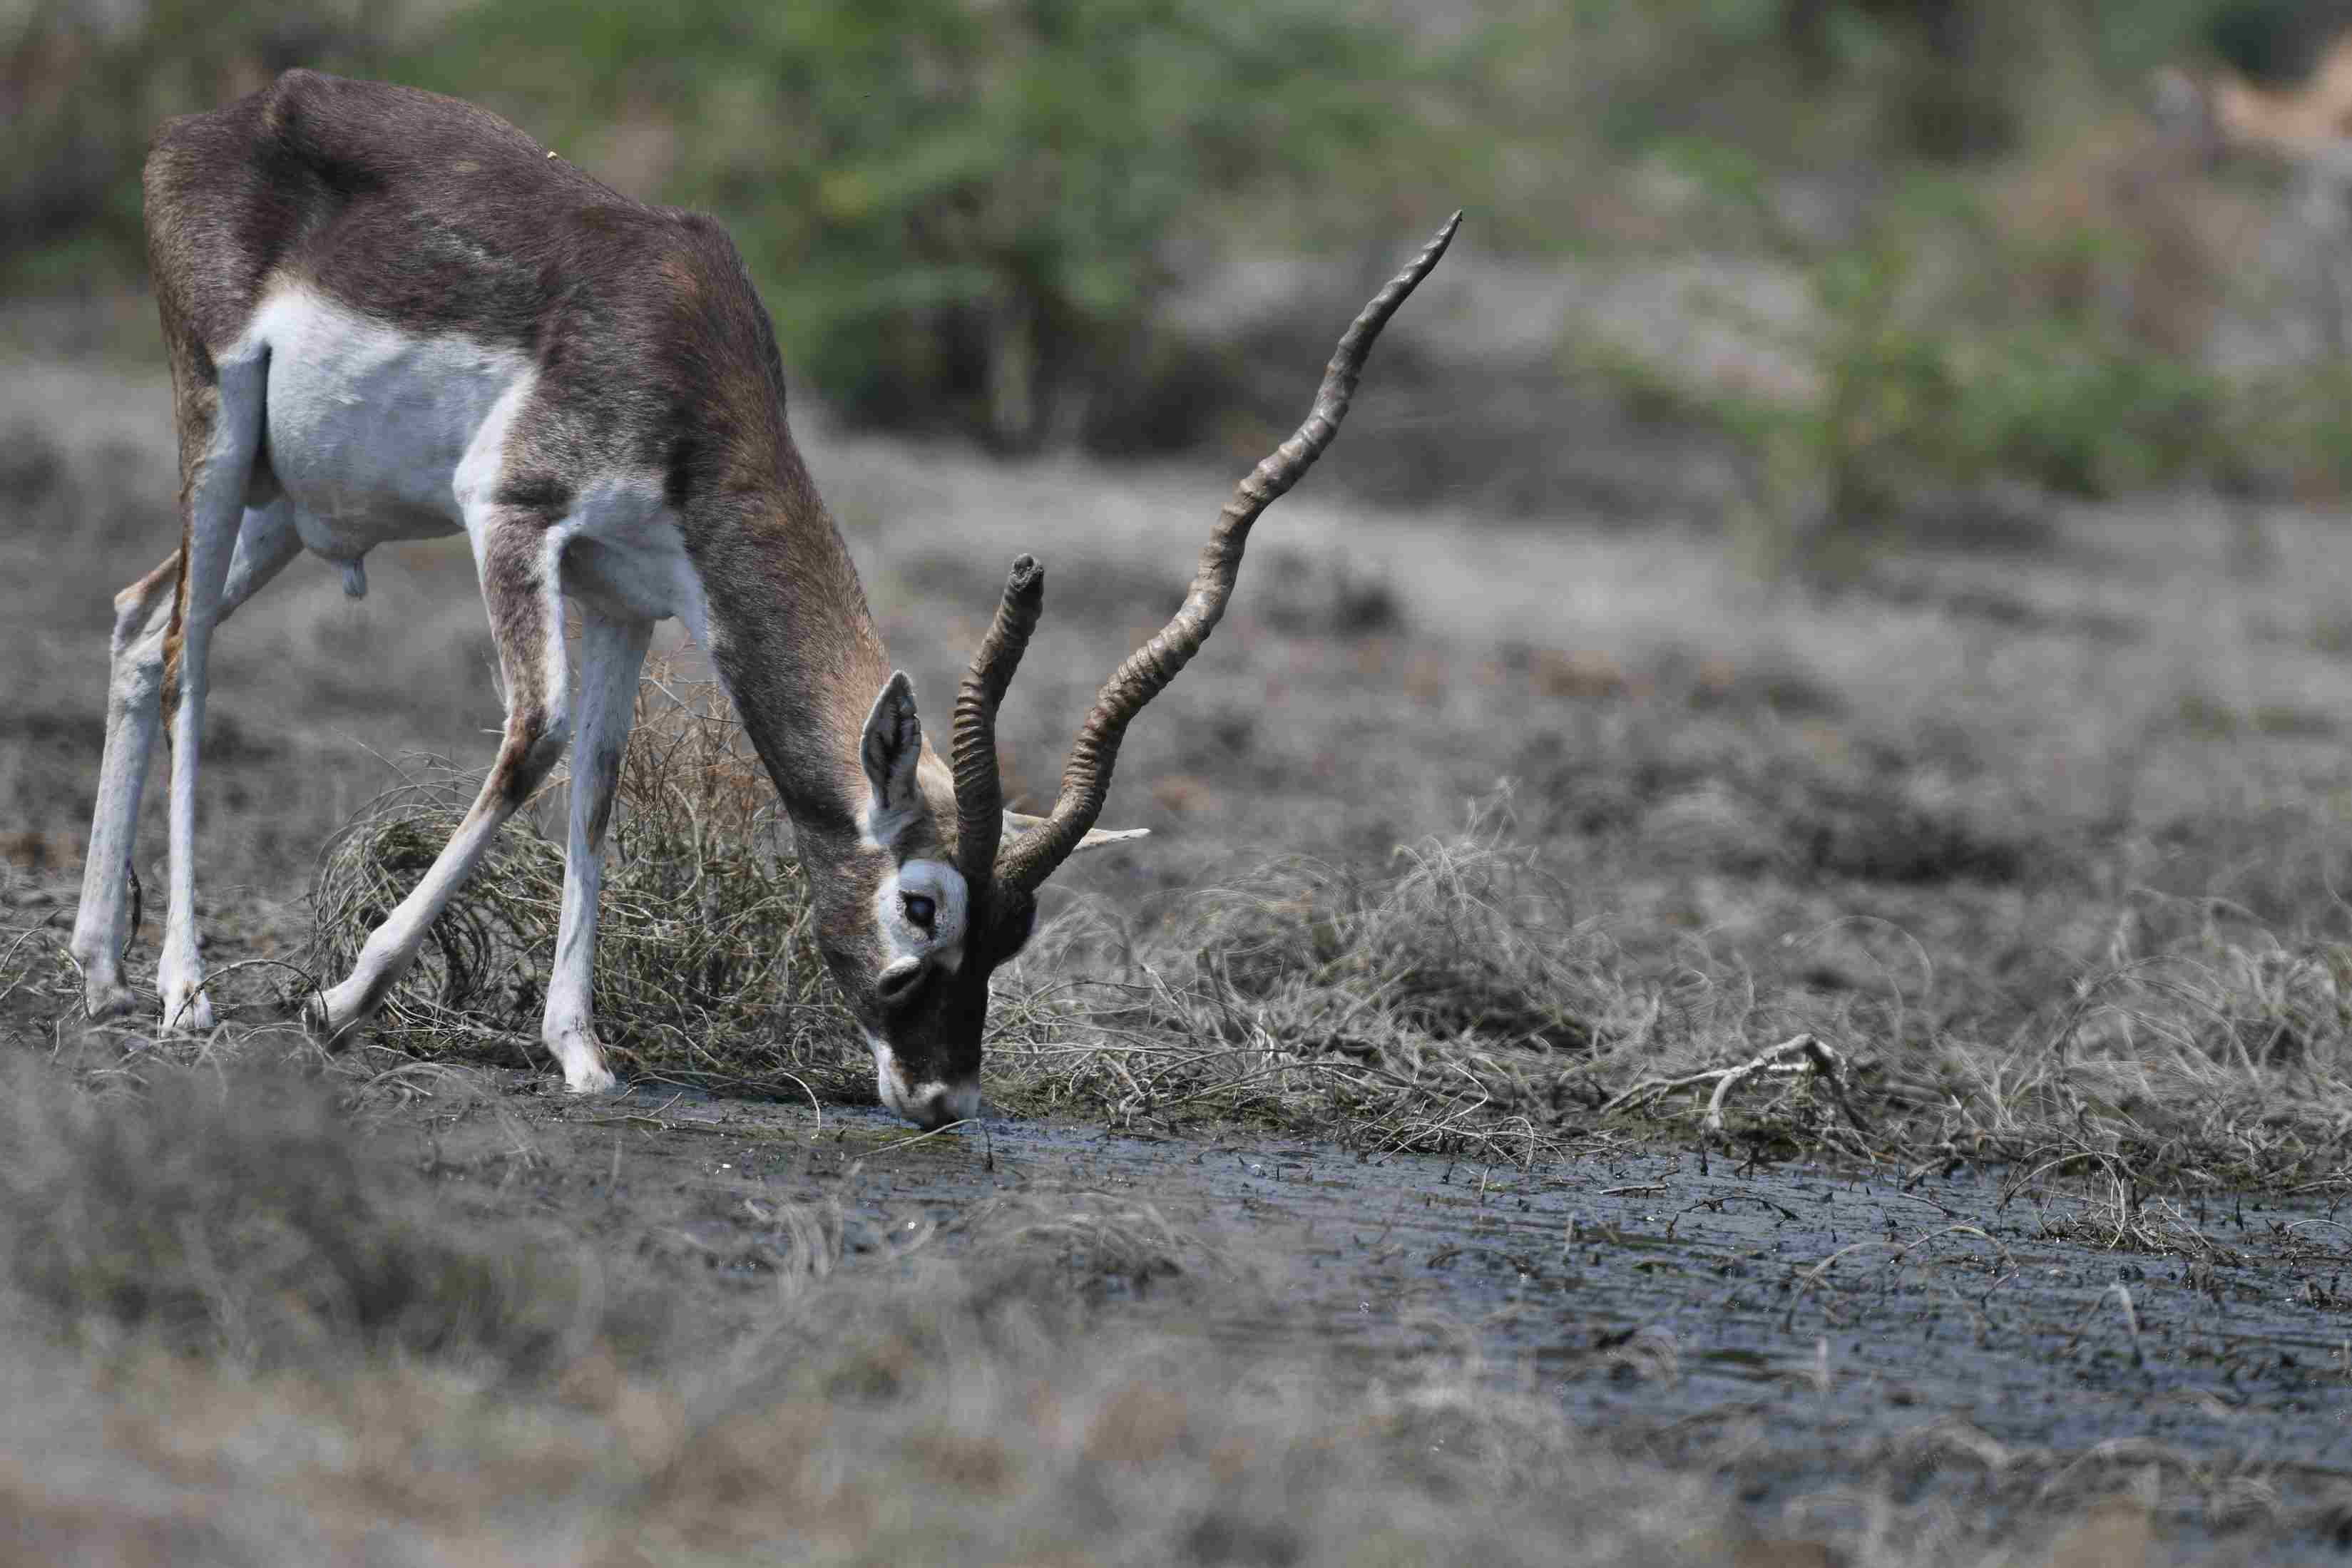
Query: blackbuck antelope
x: 391, y: 315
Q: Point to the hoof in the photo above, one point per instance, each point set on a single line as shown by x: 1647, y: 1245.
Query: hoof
x: 187, y: 1009
x: 577, y: 1050
x: 598, y: 1081
x: 112, y: 999
x: 318, y: 1015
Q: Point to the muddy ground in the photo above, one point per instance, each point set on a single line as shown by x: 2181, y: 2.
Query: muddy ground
x: 1981, y: 1340
x: 1845, y: 1354
x: 2042, y: 831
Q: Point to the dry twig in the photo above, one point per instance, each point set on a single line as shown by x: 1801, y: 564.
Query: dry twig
x: 1804, y: 1053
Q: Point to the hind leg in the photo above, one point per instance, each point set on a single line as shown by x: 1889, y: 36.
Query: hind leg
x: 220, y: 435
x: 265, y: 542
x: 135, y: 677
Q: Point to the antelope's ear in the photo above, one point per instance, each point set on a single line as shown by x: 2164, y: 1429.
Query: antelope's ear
x: 892, y: 744
x: 1019, y: 823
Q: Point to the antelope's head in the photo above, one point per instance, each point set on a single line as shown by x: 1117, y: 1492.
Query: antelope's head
x: 948, y: 878
x: 927, y: 916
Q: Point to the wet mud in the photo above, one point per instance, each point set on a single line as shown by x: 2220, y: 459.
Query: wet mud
x: 1996, y: 1339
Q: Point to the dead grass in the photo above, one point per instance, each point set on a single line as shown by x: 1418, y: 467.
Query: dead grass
x: 704, y: 962
x: 1450, y: 1002
x: 2215, y: 1051
x: 1446, y: 1002
x: 232, y: 1216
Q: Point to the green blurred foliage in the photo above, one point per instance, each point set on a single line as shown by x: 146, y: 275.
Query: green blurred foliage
x: 84, y: 85
x: 1804, y: 82
x: 957, y: 208
x: 960, y: 209
x: 2083, y: 414
x: 1920, y: 388
x: 970, y: 213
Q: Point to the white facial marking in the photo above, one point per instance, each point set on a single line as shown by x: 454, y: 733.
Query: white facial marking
x: 934, y: 1104
x: 943, y: 886
x: 960, y: 1104
x: 881, y: 828
x: 885, y: 1073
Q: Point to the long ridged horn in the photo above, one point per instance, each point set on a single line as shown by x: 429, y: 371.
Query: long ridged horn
x: 979, y: 791
x: 1030, y: 858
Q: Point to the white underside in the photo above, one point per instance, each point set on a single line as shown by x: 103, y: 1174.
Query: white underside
x: 376, y: 436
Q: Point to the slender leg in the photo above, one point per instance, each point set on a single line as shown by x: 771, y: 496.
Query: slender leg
x: 519, y: 560
x: 265, y: 542
x: 135, y: 678
x: 220, y: 432
x: 611, y: 653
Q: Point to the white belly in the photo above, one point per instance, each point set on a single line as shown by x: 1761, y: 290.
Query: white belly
x: 375, y: 436
x: 368, y: 427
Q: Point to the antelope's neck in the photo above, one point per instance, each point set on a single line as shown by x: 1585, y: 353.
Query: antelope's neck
x: 793, y: 638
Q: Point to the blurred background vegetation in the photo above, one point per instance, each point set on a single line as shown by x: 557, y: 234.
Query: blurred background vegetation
x: 1894, y: 263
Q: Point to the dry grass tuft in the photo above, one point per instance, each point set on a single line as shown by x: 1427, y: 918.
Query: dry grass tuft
x: 705, y: 961
x: 1453, y: 1003
x: 1450, y: 1002
x: 2206, y: 1047
x: 1444, y: 1004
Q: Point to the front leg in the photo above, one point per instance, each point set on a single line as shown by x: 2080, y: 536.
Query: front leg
x: 519, y: 558
x: 611, y: 653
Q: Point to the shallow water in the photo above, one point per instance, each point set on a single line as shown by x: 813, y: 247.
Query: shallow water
x: 1989, y: 1341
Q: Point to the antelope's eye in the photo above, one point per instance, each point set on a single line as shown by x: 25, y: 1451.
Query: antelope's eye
x: 919, y: 910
